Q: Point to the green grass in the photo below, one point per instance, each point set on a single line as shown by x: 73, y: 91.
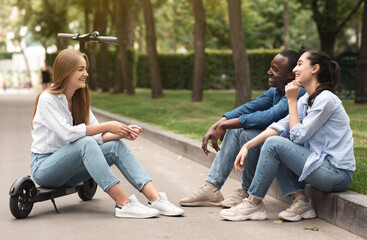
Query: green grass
x: 176, y: 113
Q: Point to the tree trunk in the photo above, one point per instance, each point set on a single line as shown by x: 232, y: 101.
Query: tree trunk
x: 361, y: 90
x: 131, y: 15
x: 86, y: 17
x: 102, y: 29
x: 123, y: 75
x: 286, y: 24
x: 327, y: 40
x: 199, y: 45
x: 92, y: 52
x: 327, y: 23
x: 154, y: 71
x: 240, y: 58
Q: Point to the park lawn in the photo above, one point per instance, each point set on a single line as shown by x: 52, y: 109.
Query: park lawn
x: 176, y: 113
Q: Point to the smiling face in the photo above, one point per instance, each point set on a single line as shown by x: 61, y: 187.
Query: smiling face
x: 78, y: 78
x: 304, y: 70
x: 279, y: 74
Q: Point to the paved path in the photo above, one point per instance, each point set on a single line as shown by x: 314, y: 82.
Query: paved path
x: 175, y: 175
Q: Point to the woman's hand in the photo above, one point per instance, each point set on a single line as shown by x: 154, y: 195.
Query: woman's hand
x: 292, y: 90
x: 119, y: 128
x: 135, y: 131
x: 238, y: 163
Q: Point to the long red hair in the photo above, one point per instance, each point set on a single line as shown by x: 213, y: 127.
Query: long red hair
x: 65, y: 63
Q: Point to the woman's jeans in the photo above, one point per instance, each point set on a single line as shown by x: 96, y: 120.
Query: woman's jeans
x: 283, y: 159
x: 80, y: 160
x: 231, y: 146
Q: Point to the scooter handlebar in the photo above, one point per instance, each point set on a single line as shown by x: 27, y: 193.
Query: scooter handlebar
x: 105, y: 39
x: 67, y: 36
x: 100, y: 39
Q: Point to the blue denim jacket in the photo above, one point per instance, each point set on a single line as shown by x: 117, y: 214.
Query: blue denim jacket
x: 324, y: 129
x: 259, y: 113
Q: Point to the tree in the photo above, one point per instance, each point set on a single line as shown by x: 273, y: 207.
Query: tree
x: 199, y: 45
x: 330, y: 17
x: 100, y: 25
x: 154, y: 71
x: 285, y: 23
x: 361, y: 91
x: 240, y: 58
x: 123, y: 19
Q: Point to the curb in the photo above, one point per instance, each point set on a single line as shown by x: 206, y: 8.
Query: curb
x: 347, y: 210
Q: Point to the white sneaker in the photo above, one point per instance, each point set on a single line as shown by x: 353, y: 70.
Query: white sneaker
x: 244, y: 211
x: 134, y: 209
x: 165, y: 207
x: 298, y: 210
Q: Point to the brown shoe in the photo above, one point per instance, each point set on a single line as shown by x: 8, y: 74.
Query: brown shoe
x: 207, y: 196
x: 234, y: 199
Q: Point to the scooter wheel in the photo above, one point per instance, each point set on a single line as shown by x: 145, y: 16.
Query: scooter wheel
x: 87, y: 191
x: 20, y: 204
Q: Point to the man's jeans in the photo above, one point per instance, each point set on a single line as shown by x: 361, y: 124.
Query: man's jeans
x: 80, y: 160
x: 223, y: 162
x: 285, y: 160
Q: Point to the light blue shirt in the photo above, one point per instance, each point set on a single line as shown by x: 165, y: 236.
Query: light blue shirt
x: 324, y: 129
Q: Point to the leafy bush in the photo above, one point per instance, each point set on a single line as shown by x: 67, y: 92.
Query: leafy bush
x: 177, y: 69
x: 6, y: 55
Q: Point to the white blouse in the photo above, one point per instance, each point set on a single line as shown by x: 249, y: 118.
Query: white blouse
x: 53, y: 124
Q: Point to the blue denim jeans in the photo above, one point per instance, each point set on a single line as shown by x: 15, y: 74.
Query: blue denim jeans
x: 84, y: 159
x: 223, y: 162
x: 283, y: 159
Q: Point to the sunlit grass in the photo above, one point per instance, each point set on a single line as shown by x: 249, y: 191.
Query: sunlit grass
x: 176, y: 113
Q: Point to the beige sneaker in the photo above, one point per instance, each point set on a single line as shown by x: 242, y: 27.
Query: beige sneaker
x: 298, y: 210
x: 245, y: 211
x: 234, y: 199
x: 207, y: 196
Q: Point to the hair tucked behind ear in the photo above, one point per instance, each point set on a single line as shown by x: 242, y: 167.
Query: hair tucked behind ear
x: 328, y: 76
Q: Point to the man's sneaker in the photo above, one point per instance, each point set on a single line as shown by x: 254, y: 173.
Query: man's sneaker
x: 298, y: 210
x: 209, y: 196
x: 245, y: 211
x: 165, y: 207
x: 134, y: 209
x: 234, y: 199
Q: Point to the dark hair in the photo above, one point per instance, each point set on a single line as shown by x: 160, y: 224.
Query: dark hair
x: 292, y: 57
x: 328, y: 75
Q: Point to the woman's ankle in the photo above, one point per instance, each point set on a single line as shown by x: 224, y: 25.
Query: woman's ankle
x: 254, y: 199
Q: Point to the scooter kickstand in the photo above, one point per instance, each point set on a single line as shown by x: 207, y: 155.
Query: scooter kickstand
x: 54, y: 203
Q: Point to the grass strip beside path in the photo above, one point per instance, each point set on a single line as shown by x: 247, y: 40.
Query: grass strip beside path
x: 176, y: 113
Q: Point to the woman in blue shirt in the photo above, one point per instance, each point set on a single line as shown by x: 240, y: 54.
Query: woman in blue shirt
x: 315, y: 144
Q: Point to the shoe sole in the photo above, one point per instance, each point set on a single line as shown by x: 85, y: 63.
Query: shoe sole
x: 171, y: 214
x: 201, y: 204
x: 254, y: 216
x: 127, y: 215
x: 307, y: 215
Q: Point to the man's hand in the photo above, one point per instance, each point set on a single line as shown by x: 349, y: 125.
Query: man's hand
x: 208, y: 135
x: 214, y: 133
x: 219, y: 133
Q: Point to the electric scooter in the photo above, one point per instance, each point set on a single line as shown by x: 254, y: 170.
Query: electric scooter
x: 24, y: 192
